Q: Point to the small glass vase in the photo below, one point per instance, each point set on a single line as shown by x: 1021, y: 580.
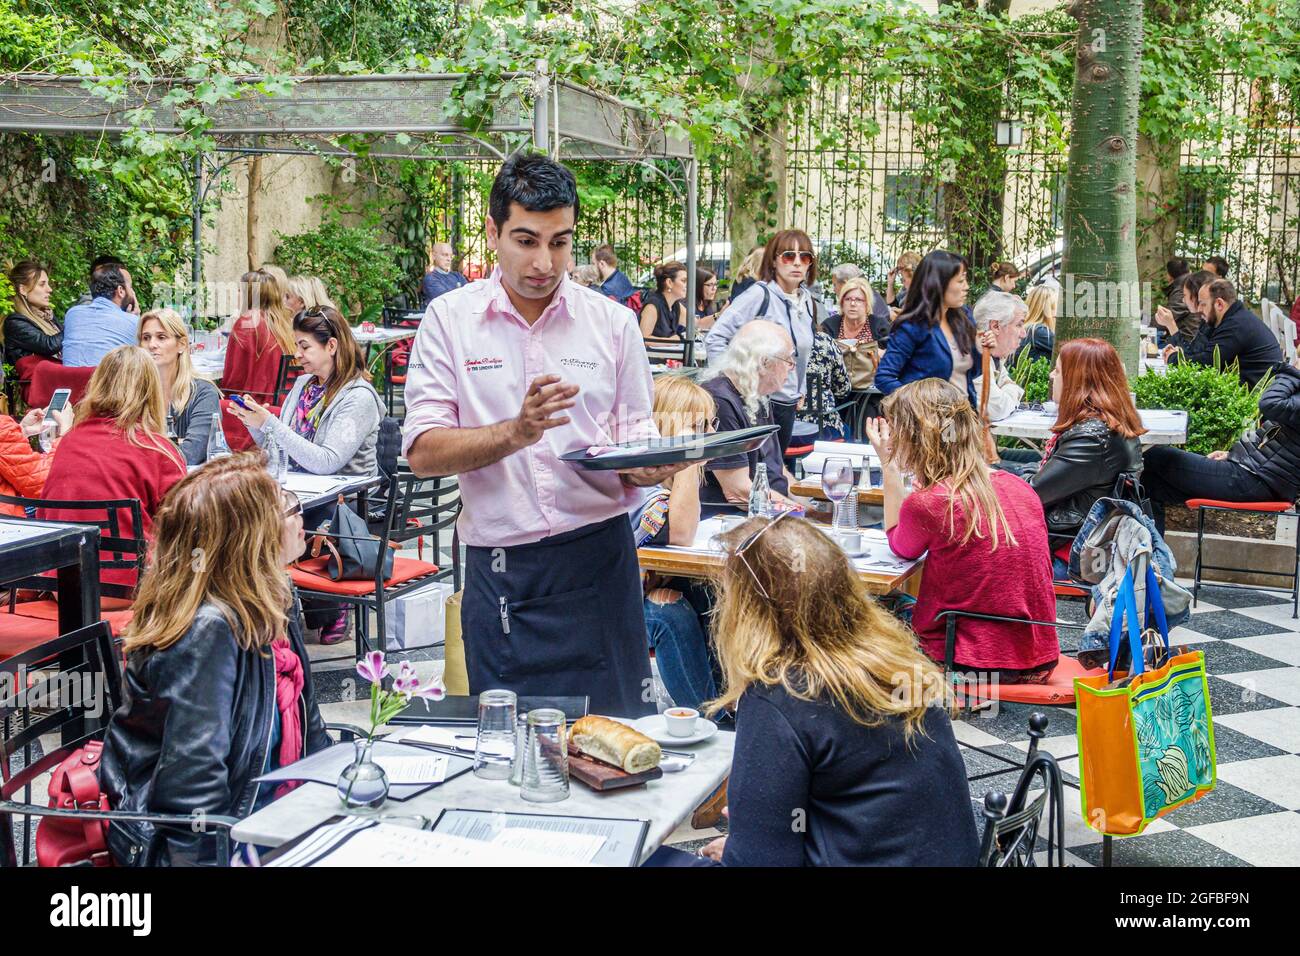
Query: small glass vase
x: 363, y: 785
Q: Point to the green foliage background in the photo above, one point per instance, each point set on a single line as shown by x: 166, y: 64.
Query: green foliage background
x: 1219, y: 407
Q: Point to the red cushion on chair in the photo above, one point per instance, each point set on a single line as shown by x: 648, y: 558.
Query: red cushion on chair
x: 49, y: 376
x: 1057, y: 692
x: 116, y: 611
x: 1271, y: 506
x: 798, y: 450
x: 19, y: 634
x: 311, y: 575
x: 1070, y: 589
x: 398, y: 379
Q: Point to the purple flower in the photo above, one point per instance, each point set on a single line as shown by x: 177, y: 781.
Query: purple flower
x: 432, y: 690
x: 372, y: 667
x: 407, y: 681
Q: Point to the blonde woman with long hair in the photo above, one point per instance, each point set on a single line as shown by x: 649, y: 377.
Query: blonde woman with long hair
x: 192, y: 403
x: 1040, y: 325
x: 984, y: 532
x: 118, y: 447
x: 675, y: 609
x: 845, y: 754
x: 218, y: 685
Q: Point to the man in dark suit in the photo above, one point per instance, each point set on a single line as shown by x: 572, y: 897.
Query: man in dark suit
x: 1231, y: 329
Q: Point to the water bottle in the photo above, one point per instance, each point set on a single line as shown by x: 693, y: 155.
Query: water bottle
x: 277, y: 459
x: 217, y: 446
x: 760, y: 497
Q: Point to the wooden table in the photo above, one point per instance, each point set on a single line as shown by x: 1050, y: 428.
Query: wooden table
x: 812, y: 488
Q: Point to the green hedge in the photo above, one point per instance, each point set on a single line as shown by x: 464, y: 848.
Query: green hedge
x: 1219, y: 407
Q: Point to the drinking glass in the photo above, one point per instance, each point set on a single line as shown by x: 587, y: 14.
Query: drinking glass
x: 546, y: 761
x: 496, y: 734
x: 837, y: 482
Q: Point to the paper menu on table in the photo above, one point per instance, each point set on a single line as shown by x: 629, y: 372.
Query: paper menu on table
x: 855, y: 452
x: 311, y: 485
x: 358, y: 841
x: 552, y: 844
x: 420, y: 768
x: 620, y: 840
x: 437, y: 736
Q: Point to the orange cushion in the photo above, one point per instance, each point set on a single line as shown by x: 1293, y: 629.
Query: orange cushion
x: 398, y: 379
x: 1271, y: 506
x: 798, y: 450
x: 1058, y: 691
x: 311, y: 575
x: 1070, y: 589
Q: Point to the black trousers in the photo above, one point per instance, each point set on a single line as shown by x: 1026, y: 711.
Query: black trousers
x: 783, y: 416
x: 1171, y: 476
x: 560, y: 617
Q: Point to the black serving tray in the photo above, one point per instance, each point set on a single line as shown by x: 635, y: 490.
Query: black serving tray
x: 670, y: 451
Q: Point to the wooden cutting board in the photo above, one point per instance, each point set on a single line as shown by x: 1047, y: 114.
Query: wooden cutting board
x: 601, y: 776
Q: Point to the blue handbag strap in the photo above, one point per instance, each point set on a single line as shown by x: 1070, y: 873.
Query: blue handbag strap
x: 1125, y: 614
x: 1156, y: 605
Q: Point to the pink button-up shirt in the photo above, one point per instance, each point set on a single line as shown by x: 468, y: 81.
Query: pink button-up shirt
x: 472, y: 361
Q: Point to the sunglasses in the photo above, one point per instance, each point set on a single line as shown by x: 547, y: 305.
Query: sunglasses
x: 790, y: 256
x: 754, y: 536
x: 292, y: 506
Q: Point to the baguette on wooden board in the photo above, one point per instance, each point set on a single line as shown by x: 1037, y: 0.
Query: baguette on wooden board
x: 615, y: 743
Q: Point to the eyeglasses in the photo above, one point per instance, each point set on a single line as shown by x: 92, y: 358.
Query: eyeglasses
x: 791, y: 360
x: 292, y: 506
x: 744, y: 545
x: 790, y: 256
x: 853, y: 300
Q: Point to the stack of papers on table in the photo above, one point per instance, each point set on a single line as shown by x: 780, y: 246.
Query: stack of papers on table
x: 813, y: 461
x: 313, y: 486
x: 411, y: 770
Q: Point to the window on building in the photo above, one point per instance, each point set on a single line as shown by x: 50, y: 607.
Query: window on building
x: 1203, y: 195
x: 912, y: 200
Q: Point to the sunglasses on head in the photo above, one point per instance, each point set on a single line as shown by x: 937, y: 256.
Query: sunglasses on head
x: 791, y: 256
x: 749, y: 540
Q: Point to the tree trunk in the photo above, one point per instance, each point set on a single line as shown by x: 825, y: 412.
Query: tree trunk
x: 757, y: 189
x: 1159, y: 209
x: 253, y: 218
x: 1100, y: 290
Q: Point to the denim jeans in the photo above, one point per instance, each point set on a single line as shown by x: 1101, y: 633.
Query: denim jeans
x: 676, y: 635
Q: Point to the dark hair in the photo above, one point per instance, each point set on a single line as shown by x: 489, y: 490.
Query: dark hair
x: 702, y: 277
x: 1192, y: 284
x: 665, y: 274
x: 925, y: 297
x: 1003, y: 270
x: 604, y: 253
x: 106, y: 261
x: 1220, y: 265
x: 536, y: 183
x: 779, y: 243
x: 324, y: 323
x: 1223, y: 289
x: 1177, y: 268
x: 106, y: 280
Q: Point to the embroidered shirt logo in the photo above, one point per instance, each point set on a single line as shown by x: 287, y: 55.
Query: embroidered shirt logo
x: 483, y: 364
x: 579, y: 363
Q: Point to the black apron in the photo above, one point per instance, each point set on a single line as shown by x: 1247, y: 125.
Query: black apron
x: 560, y: 617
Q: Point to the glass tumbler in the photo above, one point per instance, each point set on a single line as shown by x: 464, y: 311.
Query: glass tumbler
x: 496, y: 734
x: 546, y: 761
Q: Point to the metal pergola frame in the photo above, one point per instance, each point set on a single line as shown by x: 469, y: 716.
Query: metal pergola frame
x: 562, y: 119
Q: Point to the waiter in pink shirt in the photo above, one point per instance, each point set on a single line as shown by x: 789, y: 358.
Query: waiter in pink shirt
x: 506, y: 375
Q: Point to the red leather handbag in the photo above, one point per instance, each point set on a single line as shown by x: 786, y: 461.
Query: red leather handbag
x: 74, y: 785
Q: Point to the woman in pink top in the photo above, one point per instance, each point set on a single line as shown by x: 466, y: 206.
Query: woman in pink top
x: 984, y: 531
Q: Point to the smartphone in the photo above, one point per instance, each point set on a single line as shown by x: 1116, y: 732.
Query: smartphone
x: 57, y: 401
x: 239, y: 400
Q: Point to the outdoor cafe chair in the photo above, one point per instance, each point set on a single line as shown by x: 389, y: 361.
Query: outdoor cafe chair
x: 1012, y: 826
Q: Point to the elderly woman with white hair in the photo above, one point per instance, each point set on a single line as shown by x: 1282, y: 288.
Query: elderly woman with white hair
x: 754, y: 366
x: 1000, y: 320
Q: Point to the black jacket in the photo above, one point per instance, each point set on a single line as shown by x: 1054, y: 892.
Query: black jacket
x: 1083, y: 467
x: 1189, y: 322
x: 190, y: 736
x: 879, y: 327
x: 1239, y: 336
x: 1272, y: 452
x: 23, y: 337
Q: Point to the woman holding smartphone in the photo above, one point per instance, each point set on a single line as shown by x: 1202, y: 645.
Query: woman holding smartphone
x: 217, y: 689
x: 22, y: 470
x: 329, y: 422
x: 192, y: 403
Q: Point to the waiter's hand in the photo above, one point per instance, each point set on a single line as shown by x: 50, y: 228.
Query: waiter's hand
x: 546, y: 396
x: 645, y: 477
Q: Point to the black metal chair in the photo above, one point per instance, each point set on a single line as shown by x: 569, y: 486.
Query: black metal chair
x: 395, y: 358
x: 416, y: 508
x: 1012, y: 827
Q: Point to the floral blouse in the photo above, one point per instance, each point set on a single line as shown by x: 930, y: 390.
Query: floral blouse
x: 826, y: 365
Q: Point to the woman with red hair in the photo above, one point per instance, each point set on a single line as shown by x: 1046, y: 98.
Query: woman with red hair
x: 1094, y: 440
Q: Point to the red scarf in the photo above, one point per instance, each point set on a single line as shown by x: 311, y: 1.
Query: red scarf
x: 288, y: 690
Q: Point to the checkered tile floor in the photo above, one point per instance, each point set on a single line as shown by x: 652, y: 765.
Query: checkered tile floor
x: 1252, y: 653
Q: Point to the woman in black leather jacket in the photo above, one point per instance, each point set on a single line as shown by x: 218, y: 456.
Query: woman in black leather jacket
x: 201, y: 716
x: 1094, y: 441
x: 1263, y: 465
x: 30, y: 328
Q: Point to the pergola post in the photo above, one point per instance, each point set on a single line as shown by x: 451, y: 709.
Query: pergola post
x: 196, y: 233
x: 541, y: 109
x: 692, y: 227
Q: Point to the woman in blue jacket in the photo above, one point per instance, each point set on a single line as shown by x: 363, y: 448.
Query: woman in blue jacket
x: 934, y: 335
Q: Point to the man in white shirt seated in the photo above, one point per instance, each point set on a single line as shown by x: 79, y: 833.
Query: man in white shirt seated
x: 1000, y: 319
